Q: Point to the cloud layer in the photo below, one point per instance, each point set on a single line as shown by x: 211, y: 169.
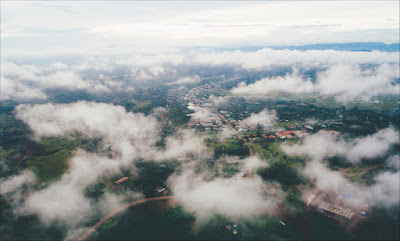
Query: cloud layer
x: 325, y: 144
x: 345, y: 82
x: 339, y: 73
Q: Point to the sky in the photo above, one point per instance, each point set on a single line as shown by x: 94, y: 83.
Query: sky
x: 62, y: 28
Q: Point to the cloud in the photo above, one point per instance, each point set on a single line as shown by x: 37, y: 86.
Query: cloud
x: 339, y: 73
x: 225, y: 133
x: 218, y: 100
x: 15, y: 183
x: 130, y: 134
x: 18, y: 91
x: 233, y: 198
x: 327, y: 179
x: 323, y: 144
x: 201, y: 114
x: 350, y: 82
x: 264, y: 118
x: 344, y: 82
x: 187, y: 80
x: 383, y: 193
x: 156, y: 28
x: 269, y: 58
x: 394, y: 162
x: 185, y: 145
x: 253, y: 163
x: 290, y: 83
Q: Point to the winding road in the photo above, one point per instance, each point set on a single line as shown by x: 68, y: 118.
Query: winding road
x: 120, y: 209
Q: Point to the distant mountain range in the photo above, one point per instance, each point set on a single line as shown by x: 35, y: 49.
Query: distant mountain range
x: 364, y: 46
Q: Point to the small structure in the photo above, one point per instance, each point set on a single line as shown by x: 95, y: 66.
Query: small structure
x: 121, y: 180
x: 310, y: 199
x: 160, y: 189
x: 280, y: 135
x: 235, y: 231
x: 338, y: 210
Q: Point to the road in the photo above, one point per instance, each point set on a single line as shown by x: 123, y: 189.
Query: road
x: 120, y: 209
x: 233, y: 129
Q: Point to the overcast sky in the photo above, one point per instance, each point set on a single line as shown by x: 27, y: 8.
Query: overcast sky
x: 130, y: 27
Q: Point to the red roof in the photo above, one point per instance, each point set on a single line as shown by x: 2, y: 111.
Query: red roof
x: 271, y: 136
x: 287, y: 132
x: 265, y: 136
x: 278, y: 133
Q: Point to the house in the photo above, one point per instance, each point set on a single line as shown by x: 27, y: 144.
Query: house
x: 280, y: 135
x: 298, y: 134
x: 121, y: 180
x: 160, y: 189
x: 288, y: 134
x: 309, y: 127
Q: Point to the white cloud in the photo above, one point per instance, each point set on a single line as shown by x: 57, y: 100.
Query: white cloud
x: 344, y: 82
x: 14, y: 183
x: 323, y: 144
x: 350, y: 82
x: 201, y: 114
x: 264, y: 118
x: 154, y: 27
x: 131, y: 136
x: 384, y: 192
x: 11, y: 89
x: 394, y: 162
x: 290, y: 83
x: 253, y: 163
x: 234, y: 198
x: 129, y: 133
x: 218, y: 100
x: 187, y: 80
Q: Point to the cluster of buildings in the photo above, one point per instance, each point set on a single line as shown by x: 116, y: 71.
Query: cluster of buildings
x: 288, y: 135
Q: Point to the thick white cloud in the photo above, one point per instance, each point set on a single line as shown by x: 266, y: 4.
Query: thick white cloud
x: 290, y: 83
x: 11, y: 89
x: 325, y: 144
x: 345, y: 82
x: 264, y: 118
x: 65, y: 200
x: 384, y: 192
x: 343, y: 77
x: 350, y: 82
x: 234, y: 198
x: 131, y: 136
x: 185, y: 145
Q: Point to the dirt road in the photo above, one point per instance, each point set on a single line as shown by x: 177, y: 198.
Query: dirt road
x: 120, y: 209
x: 233, y: 129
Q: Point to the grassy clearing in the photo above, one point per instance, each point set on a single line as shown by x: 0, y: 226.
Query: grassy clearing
x: 51, y: 160
x: 109, y: 224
